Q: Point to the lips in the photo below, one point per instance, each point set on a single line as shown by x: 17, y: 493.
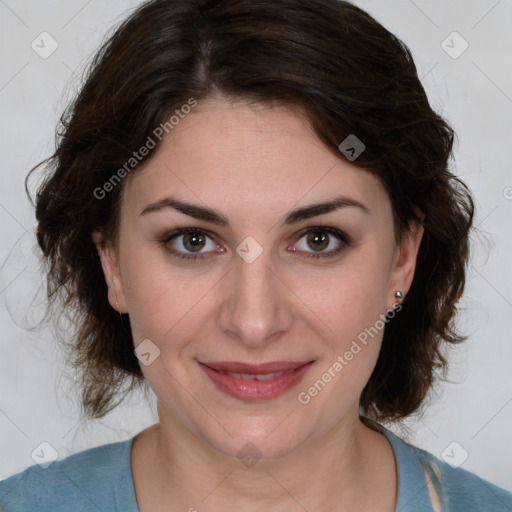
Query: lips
x: 255, y: 382
x: 255, y: 369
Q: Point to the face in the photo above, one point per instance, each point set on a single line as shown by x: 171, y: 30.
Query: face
x: 254, y: 300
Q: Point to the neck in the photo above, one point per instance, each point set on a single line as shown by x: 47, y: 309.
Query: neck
x: 331, y: 473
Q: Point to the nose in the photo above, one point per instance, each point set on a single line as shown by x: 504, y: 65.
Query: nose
x: 257, y: 305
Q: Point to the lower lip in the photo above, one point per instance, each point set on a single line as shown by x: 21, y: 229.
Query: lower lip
x: 256, y: 390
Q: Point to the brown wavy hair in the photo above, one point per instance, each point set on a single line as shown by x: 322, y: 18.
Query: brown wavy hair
x: 347, y: 74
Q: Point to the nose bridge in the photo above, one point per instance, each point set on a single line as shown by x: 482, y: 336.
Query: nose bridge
x: 255, y: 309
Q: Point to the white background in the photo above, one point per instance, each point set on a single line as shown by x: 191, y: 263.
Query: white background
x: 474, y: 91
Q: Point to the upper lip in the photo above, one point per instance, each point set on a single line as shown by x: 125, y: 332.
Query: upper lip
x: 255, y: 369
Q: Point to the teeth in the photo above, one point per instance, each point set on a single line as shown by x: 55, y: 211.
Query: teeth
x: 261, y: 376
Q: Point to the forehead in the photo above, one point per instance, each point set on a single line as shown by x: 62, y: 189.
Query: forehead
x: 259, y: 156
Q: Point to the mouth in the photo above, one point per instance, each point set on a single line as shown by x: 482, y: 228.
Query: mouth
x: 255, y: 383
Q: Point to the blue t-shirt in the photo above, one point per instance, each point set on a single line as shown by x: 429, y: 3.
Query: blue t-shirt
x: 100, y: 479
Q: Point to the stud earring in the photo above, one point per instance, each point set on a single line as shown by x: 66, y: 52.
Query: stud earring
x: 398, y: 297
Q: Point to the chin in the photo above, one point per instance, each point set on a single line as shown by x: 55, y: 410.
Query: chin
x: 258, y: 438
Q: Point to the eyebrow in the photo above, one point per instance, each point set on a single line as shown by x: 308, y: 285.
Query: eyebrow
x: 210, y: 215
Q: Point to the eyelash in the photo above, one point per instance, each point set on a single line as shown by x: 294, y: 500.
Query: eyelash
x: 343, y: 238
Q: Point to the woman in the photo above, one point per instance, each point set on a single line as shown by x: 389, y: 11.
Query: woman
x: 250, y: 210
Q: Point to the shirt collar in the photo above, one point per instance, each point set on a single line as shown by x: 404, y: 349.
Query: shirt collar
x: 413, y: 493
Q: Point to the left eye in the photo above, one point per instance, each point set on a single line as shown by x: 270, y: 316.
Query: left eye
x: 322, y: 242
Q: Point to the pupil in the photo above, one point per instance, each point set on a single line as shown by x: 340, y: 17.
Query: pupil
x: 193, y: 242
x: 321, y: 240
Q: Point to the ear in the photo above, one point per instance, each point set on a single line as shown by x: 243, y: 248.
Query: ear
x: 405, y: 259
x: 109, y: 263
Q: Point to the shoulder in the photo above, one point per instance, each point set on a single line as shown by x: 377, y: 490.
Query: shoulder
x: 89, y: 480
x: 463, y: 490
x: 456, y: 489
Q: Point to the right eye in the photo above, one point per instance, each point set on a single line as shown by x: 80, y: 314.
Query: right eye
x: 190, y: 243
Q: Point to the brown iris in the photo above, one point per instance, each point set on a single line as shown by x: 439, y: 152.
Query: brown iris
x: 319, y: 239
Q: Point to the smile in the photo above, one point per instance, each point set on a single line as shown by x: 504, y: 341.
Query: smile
x: 255, y: 383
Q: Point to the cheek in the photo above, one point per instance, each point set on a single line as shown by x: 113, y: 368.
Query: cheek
x: 348, y: 300
x: 347, y: 310
x: 351, y: 317
x: 163, y: 305
x: 167, y: 303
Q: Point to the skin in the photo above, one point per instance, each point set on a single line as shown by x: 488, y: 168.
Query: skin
x: 254, y: 164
